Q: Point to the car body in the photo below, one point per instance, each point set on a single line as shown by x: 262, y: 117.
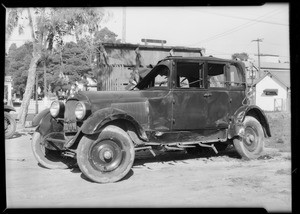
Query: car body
x: 183, y: 103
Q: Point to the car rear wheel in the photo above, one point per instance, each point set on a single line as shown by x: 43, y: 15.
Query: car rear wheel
x: 51, y: 159
x: 108, y: 157
x: 9, y: 125
x: 251, y: 144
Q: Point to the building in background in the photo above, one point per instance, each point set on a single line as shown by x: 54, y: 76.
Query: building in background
x: 117, y: 61
x: 271, y: 86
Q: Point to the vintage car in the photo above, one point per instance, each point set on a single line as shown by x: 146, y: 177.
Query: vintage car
x: 10, y: 124
x: 183, y: 103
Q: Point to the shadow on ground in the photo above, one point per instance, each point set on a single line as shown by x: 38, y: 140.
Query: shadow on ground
x: 17, y: 135
x: 146, y: 157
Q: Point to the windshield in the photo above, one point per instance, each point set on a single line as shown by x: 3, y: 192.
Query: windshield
x: 157, y: 78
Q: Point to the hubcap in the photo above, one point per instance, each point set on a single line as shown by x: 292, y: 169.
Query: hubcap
x: 105, y: 155
x: 251, y: 138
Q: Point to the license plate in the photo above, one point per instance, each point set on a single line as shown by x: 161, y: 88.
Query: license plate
x: 70, y: 127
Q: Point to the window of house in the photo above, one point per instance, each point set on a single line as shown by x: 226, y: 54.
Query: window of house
x: 216, y: 75
x: 235, y: 76
x: 190, y: 75
x: 271, y: 92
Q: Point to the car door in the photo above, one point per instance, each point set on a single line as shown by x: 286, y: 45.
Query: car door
x: 217, y: 96
x: 189, y: 101
x: 237, y: 87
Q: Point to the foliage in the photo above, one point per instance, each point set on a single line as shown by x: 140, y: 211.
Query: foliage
x: 75, y: 64
x: 242, y: 56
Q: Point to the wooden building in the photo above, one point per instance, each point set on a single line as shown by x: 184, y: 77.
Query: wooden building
x: 116, y: 61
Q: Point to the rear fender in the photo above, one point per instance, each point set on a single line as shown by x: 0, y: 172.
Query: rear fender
x: 241, y: 113
x: 101, y: 117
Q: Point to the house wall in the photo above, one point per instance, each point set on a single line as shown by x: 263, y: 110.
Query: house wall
x: 271, y: 103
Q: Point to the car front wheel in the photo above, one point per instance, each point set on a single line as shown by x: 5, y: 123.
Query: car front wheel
x: 51, y: 159
x: 108, y: 157
x: 251, y: 144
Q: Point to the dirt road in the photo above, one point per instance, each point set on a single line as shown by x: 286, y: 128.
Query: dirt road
x: 173, y: 179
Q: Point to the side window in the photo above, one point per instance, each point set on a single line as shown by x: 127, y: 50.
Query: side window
x: 216, y: 75
x: 161, y: 78
x: 235, y: 76
x: 190, y: 75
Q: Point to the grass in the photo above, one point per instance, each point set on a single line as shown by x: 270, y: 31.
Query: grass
x: 280, y: 125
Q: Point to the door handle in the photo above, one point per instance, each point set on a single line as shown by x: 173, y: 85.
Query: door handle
x: 207, y: 95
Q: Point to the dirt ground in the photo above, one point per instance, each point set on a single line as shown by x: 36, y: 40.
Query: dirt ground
x: 173, y: 179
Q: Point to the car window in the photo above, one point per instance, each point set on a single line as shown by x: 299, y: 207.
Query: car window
x: 157, y: 78
x: 190, y: 75
x: 235, y: 76
x: 161, y: 78
x: 216, y: 75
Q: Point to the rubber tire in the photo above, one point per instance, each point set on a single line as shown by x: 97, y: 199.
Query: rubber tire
x: 49, y: 162
x: 96, y: 175
x: 12, y: 126
x: 239, y: 143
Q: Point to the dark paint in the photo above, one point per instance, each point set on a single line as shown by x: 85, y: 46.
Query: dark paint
x: 168, y: 109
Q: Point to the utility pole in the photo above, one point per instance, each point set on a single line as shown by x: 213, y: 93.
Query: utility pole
x: 124, y: 25
x: 258, y: 40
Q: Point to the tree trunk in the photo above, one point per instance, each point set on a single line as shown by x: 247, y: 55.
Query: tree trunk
x: 28, y: 91
x: 45, y: 80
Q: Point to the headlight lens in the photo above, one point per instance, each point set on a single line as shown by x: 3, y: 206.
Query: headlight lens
x: 56, y: 108
x: 80, y: 110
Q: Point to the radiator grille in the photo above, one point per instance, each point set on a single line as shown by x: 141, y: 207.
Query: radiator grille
x: 70, y: 111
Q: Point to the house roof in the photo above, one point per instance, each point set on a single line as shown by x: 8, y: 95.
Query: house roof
x: 273, y: 66
x: 268, y: 65
x: 281, y: 76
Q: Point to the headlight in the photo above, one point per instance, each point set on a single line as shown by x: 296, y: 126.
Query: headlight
x: 80, y: 110
x: 57, y: 109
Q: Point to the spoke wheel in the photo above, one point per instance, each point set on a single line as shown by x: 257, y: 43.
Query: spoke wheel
x: 107, y: 157
x: 51, y: 159
x: 9, y: 125
x: 251, y: 144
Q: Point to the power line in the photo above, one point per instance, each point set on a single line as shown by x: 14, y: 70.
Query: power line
x: 237, y: 17
x: 237, y: 28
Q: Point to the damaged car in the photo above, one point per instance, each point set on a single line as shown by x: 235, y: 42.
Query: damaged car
x: 183, y: 103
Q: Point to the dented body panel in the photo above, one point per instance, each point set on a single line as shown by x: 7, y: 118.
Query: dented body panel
x: 159, y: 110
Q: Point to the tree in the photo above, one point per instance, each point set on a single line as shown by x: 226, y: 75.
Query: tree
x: 242, y: 56
x: 46, y: 25
x: 17, y: 65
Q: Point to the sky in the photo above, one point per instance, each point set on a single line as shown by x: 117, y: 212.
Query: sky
x: 222, y: 31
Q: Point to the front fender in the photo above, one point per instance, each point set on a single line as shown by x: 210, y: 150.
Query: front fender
x: 9, y: 108
x: 37, y: 118
x: 47, y: 124
x: 249, y: 110
x: 101, y: 117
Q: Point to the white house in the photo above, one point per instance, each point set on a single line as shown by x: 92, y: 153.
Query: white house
x: 272, y: 93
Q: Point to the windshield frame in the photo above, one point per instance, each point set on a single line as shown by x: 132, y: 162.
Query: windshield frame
x: 145, y: 81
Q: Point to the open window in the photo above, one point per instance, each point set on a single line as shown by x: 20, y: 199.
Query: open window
x: 157, y: 78
x: 216, y: 75
x: 190, y: 75
x: 236, y: 78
